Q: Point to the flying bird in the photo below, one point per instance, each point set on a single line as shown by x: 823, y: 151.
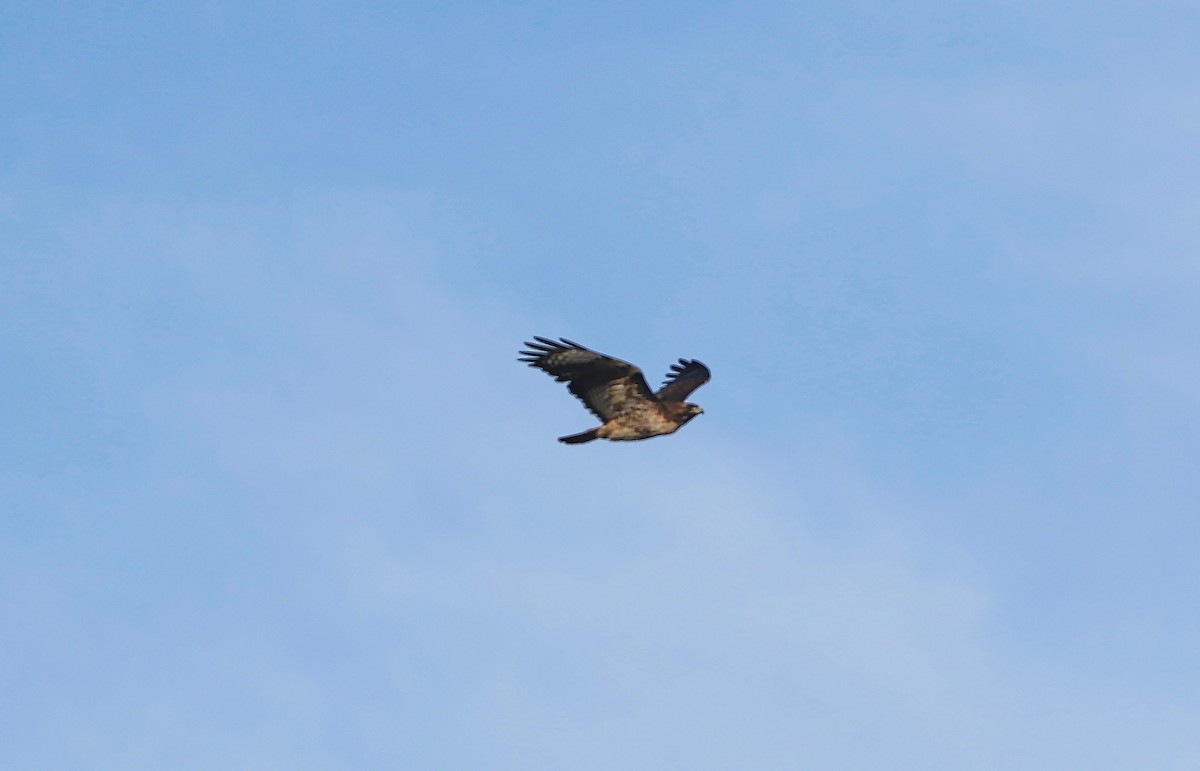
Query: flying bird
x: 616, y: 392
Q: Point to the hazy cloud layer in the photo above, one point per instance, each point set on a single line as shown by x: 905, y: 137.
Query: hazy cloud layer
x: 276, y: 493
x: 336, y: 529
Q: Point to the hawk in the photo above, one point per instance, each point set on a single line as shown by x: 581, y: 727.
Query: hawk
x: 616, y: 392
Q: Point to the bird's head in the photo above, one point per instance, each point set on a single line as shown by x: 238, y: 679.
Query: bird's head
x: 691, y: 410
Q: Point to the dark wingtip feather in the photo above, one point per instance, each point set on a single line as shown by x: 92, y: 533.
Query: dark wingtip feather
x: 546, y: 345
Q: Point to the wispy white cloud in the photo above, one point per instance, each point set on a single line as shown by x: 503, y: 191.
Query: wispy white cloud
x: 276, y: 493
x: 430, y: 578
x: 338, y: 527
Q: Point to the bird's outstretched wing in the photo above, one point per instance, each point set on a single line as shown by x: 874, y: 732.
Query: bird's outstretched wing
x: 684, y: 377
x: 607, y: 386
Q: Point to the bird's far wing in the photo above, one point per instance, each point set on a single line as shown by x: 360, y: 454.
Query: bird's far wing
x: 684, y: 377
x: 604, y: 384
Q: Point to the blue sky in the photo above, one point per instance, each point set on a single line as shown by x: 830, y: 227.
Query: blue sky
x: 276, y: 494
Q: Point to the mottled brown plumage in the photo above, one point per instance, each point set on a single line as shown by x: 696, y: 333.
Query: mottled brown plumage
x: 616, y: 392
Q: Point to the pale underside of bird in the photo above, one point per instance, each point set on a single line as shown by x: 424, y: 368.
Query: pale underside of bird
x: 616, y: 392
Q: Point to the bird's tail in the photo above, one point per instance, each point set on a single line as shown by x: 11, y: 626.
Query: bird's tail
x: 586, y: 436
